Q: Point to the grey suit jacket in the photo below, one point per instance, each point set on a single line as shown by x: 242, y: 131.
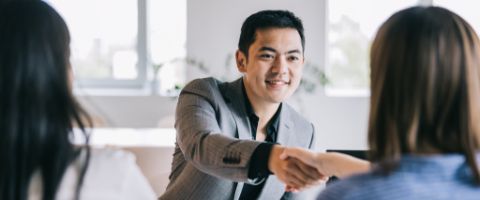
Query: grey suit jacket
x: 214, y: 143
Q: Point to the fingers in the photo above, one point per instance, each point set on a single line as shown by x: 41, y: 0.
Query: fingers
x: 294, y: 181
x: 303, y: 155
x: 313, y: 173
x: 283, y: 168
x: 292, y: 171
x: 288, y: 173
x: 300, y: 176
x: 301, y: 171
x: 289, y: 188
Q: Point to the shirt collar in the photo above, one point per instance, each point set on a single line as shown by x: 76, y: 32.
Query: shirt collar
x: 273, y: 124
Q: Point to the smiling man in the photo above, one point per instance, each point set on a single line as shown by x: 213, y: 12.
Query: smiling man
x: 230, y: 135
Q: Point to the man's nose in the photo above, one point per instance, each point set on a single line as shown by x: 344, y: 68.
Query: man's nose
x: 280, y: 65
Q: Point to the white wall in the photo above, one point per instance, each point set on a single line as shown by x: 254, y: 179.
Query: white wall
x: 130, y: 111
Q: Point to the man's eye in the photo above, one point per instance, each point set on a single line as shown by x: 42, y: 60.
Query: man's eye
x: 293, y: 58
x: 267, y: 56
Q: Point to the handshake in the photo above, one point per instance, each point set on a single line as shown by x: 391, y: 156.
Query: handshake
x: 300, y: 168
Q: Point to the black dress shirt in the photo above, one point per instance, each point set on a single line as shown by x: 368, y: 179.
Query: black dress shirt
x: 259, y: 160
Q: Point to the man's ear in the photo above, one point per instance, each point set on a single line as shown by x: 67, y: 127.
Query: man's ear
x: 241, y: 61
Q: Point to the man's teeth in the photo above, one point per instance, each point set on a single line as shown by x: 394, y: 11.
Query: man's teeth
x: 276, y: 81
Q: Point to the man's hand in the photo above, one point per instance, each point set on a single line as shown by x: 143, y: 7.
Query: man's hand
x: 294, y: 173
x: 328, y: 164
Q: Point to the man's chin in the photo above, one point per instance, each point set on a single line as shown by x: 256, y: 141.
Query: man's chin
x: 278, y: 98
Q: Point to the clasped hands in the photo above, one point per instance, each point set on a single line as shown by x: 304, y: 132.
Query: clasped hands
x: 300, y: 168
x: 296, y: 167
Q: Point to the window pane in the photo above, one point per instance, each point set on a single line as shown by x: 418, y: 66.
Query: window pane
x: 352, y: 26
x: 104, y: 37
x: 167, y: 22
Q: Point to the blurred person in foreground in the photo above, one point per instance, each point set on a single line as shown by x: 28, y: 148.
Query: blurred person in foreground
x: 424, y: 128
x: 38, y: 113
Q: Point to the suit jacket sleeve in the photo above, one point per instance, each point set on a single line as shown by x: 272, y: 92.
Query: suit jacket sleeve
x: 202, y: 140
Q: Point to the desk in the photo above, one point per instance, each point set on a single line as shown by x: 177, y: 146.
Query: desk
x: 153, y: 149
x: 127, y: 137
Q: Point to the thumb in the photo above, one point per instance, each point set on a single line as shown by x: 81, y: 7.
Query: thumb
x: 284, y: 154
x: 303, y: 155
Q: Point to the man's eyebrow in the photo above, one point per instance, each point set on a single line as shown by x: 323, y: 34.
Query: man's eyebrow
x: 273, y: 50
x: 294, y: 51
x: 268, y: 49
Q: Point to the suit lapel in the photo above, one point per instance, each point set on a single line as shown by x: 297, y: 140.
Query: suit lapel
x: 284, y: 127
x: 234, y: 96
x: 273, y: 188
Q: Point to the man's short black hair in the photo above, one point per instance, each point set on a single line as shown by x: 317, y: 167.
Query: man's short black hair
x: 268, y: 19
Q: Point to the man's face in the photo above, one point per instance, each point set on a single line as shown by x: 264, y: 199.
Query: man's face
x: 274, y: 66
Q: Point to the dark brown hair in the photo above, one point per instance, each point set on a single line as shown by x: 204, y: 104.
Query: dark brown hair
x: 425, y: 87
x: 37, y: 107
x: 268, y: 19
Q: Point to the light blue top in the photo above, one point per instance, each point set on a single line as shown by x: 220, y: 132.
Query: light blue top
x: 417, y: 177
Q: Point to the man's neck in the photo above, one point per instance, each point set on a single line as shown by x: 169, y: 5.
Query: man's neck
x: 265, y: 113
x: 263, y: 110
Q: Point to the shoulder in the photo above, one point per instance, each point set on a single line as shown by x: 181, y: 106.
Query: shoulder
x: 374, y: 185
x: 110, y: 165
x: 110, y: 169
x: 110, y: 174
x: 202, y: 84
x: 207, y: 88
x: 114, y: 173
x: 354, y: 187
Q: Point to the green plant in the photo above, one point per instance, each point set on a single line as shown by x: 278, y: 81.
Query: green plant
x: 312, y: 77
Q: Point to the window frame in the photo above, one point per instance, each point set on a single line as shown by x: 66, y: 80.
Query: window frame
x: 340, y: 92
x: 143, y: 63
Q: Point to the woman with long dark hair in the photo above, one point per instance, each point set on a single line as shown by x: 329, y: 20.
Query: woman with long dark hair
x: 424, y: 128
x: 38, y: 113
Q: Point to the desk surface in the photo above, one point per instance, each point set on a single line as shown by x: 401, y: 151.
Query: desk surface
x: 128, y: 137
